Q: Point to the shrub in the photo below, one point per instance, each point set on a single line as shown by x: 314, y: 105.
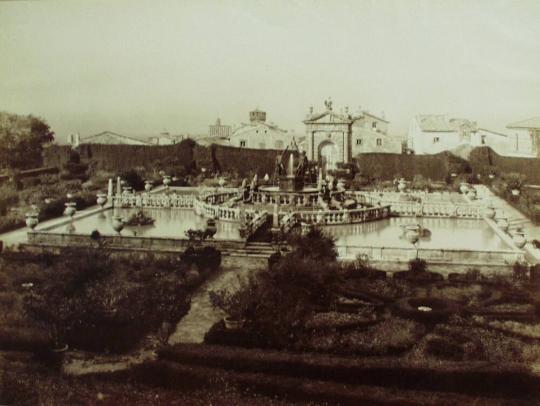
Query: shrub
x: 445, y: 349
x: 417, y: 265
x: 133, y: 179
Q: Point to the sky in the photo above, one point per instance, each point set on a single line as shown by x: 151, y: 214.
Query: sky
x: 141, y: 67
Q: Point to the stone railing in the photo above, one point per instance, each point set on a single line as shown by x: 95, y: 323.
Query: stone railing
x: 431, y: 206
x: 254, y: 221
x: 216, y: 211
x: 331, y: 217
x: 285, y: 198
x: 434, y: 255
x: 153, y: 200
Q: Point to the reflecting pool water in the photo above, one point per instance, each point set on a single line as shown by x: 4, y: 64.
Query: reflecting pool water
x: 169, y: 223
x: 467, y: 234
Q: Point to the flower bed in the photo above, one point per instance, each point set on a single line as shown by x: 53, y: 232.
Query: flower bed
x: 338, y: 320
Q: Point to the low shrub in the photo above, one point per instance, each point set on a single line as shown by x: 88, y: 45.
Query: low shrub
x: 417, y: 265
x: 445, y: 349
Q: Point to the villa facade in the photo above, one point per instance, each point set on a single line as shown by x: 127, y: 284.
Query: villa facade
x: 259, y: 134
x: 525, y: 135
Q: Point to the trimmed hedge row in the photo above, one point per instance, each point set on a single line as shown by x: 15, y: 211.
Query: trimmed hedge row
x: 475, y: 378
x: 388, y: 166
x: 221, y: 158
x: 483, y: 158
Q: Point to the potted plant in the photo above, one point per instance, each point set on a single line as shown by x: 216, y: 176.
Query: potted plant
x: 53, y: 311
x: 234, y: 305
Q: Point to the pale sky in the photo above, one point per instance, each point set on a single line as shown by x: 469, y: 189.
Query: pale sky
x: 141, y: 67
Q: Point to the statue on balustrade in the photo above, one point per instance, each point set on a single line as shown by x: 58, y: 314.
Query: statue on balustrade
x: 279, y: 167
x: 302, y: 165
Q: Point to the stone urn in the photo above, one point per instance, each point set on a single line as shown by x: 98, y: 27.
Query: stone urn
x: 70, y: 209
x: 491, y: 176
x: 471, y: 193
x: 402, y: 185
x: 148, y: 186
x: 502, y: 223
x: 515, y: 192
x: 118, y: 224
x: 489, y: 212
x: 519, y: 239
x: 211, y: 228
x: 32, y: 220
x: 233, y: 324
x: 221, y: 182
x: 463, y: 187
x: 341, y: 185
x: 320, y: 217
x: 101, y: 199
x: 166, y: 181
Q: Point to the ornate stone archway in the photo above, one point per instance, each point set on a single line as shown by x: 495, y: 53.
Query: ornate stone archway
x: 328, y: 154
x: 325, y: 128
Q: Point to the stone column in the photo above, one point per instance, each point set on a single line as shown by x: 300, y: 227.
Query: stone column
x: 118, y: 186
x: 110, y: 189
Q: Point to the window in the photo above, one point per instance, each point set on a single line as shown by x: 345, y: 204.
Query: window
x: 257, y: 131
x: 359, y: 141
x: 379, y: 142
x: 374, y: 125
x: 435, y: 140
x: 483, y: 139
x: 242, y: 143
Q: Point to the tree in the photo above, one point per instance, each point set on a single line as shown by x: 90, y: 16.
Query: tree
x: 22, y: 139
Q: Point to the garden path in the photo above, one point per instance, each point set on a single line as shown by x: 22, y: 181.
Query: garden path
x: 202, y: 315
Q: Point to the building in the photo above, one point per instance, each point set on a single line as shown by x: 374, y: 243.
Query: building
x: 525, y: 136
x: 434, y: 133
x: 219, y: 130
x: 259, y: 134
x: 337, y: 137
x: 105, y: 137
x: 165, y: 139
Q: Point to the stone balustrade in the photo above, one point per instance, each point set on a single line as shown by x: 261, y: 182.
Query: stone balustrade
x: 432, y: 255
x: 255, y: 221
x: 332, y: 217
x: 438, y: 205
x: 153, y: 200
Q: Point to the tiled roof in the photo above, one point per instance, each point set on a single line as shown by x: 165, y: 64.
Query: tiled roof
x: 440, y: 123
x: 529, y: 123
x: 493, y: 132
x: 257, y: 125
x: 109, y: 137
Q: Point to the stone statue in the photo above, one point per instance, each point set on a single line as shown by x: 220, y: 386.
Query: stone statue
x: 280, y: 168
x: 302, y: 165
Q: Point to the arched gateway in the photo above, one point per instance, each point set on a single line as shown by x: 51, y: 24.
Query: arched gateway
x: 328, y: 136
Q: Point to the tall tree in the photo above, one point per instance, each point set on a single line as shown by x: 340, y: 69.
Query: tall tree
x: 22, y: 139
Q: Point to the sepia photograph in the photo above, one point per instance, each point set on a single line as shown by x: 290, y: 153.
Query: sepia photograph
x: 289, y: 202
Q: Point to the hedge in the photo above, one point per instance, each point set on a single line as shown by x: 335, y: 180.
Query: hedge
x: 484, y: 159
x: 475, y: 378
x: 386, y: 166
x: 243, y: 161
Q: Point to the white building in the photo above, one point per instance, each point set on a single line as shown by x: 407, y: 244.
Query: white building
x: 434, y: 133
x: 259, y: 134
x: 525, y: 136
x: 166, y: 139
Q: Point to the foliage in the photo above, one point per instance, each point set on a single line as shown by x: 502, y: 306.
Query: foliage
x: 22, y: 139
x: 140, y: 219
x: 520, y: 272
x: 418, y: 265
x: 315, y: 245
x: 133, y: 179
